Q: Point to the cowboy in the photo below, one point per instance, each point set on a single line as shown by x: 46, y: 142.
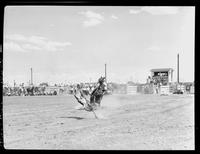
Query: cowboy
x: 98, y: 92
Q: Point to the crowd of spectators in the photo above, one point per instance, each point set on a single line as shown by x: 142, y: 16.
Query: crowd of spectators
x: 45, y: 89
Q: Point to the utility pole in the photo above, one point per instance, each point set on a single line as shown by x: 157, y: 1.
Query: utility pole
x: 178, y: 68
x: 106, y: 73
x: 31, y: 76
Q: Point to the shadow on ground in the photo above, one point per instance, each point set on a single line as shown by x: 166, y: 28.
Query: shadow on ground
x: 73, y: 117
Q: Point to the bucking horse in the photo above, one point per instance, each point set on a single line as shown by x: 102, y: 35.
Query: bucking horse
x: 94, y: 102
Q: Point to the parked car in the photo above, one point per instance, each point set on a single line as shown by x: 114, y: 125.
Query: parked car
x: 178, y: 92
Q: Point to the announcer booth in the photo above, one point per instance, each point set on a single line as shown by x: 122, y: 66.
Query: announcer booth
x: 163, y: 76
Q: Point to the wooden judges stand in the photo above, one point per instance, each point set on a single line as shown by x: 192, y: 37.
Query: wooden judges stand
x: 162, y: 79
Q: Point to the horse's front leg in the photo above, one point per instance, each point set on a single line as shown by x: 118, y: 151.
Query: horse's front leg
x: 78, y: 100
x: 98, y: 99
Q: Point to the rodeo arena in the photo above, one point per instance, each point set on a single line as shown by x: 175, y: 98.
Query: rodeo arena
x: 101, y: 115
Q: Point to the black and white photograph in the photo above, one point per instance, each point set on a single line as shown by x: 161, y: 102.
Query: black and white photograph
x: 98, y: 77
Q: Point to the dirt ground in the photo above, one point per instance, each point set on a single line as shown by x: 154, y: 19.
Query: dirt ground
x: 137, y: 122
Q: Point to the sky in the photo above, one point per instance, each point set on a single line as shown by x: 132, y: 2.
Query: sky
x: 70, y: 44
